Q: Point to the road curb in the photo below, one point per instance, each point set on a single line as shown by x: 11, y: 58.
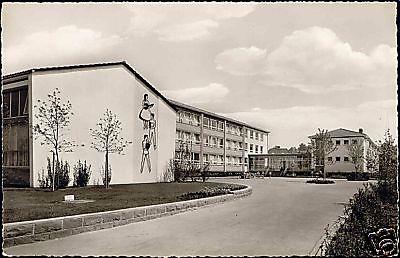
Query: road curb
x: 25, y: 232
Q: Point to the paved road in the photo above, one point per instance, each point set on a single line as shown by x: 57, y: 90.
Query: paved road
x: 283, y: 216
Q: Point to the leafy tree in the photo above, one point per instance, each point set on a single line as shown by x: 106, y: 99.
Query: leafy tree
x: 81, y: 174
x: 372, y: 161
x: 356, y: 154
x: 106, y: 137
x: 388, y: 166
x: 322, y: 145
x: 53, y: 119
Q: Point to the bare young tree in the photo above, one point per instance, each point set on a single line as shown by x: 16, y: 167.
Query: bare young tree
x: 106, y: 138
x: 322, y: 145
x: 356, y: 154
x: 53, y: 119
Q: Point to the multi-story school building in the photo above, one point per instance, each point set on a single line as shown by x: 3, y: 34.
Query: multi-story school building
x: 152, y: 124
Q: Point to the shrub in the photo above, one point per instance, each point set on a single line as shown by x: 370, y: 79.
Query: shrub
x: 358, y: 177
x: 372, y: 213
x: 63, y: 170
x: 316, y: 181
x: 61, y: 176
x: 211, y: 191
x: 81, y: 174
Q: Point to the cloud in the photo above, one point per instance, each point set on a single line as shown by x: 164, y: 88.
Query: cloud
x: 374, y: 117
x: 241, y: 61
x: 182, y: 22
x: 51, y: 47
x: 211, y: 93
x: 315, y: 60
x: 187, y: 31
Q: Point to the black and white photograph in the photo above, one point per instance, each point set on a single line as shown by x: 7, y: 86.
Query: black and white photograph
x: 199, y: 129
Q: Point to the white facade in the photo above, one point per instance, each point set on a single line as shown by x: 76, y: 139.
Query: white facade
x: 339, y: 160
x: 91, y: 91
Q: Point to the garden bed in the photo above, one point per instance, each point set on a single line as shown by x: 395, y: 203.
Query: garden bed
x: 32, y: 204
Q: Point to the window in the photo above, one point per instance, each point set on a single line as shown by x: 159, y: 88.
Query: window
x: 261, y: 136
x: 14, y: 103
x: 206, y: 140
x: 346, y: 142
x: 213, y: 124
x: 205, y: 121
x: 220, y: 126
x: 6, y: 104
x: 251, y: 147
x: 329, y: 158
x: 337, y: 142
x: 251, y: 134
x: 346, y: 159
x: 256, y: 148
x: 338, y: 159
x: 197, y: 138
x: 221, y: 143
x: 246, y: 146
x: 245, y: 133
x: 195, y: 119
x: 220, y: 159
x: 354, y: 141
x: 214, y: 141
x: 205, y: 158
x: 256, y: 136
x: 261, y: 149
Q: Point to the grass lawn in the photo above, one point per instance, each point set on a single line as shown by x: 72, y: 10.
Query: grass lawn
x: 31, y: 204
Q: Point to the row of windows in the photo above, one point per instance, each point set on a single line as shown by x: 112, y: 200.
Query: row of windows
x: 15, y: 103
x: 255, y: 135
x: 346, y: 142
x: 213, y: 124
x: 339, y: 159
x: 188, y: 137
x: 255, y: 148
x: 213, y: 159
x: 208, y: 140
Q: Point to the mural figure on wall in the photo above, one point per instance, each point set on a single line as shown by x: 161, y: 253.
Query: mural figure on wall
x: 146, y: 144
x: 150, y: 131
x: 145, y: 112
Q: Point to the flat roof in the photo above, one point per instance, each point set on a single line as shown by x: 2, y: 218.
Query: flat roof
x: 186, y: 106
x: 94, y: 65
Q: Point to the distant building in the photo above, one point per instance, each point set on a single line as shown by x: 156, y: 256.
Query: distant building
x: 281, y: 161
x: 339, y: 161
x: 222, y: 142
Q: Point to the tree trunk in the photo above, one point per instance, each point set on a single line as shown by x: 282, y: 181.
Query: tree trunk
x: 54, y: 172
x: 106, y: 169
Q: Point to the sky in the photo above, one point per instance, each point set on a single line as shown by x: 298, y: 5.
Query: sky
x: 289, y: 68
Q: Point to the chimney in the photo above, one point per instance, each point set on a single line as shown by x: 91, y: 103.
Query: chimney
x: 360, y: 130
